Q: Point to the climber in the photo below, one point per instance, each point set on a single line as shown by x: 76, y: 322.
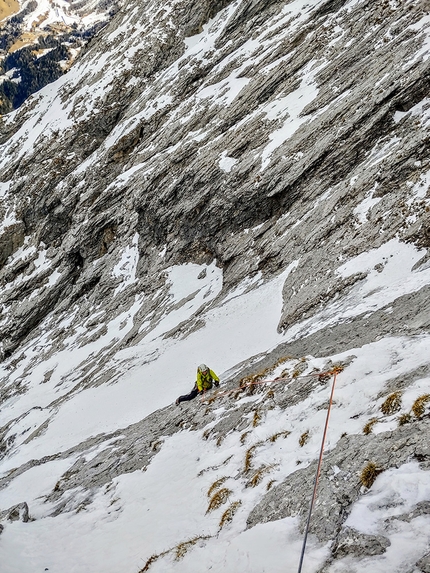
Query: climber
x: 205, y: 377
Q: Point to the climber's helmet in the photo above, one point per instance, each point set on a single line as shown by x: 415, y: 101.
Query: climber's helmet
x: 203, y: 368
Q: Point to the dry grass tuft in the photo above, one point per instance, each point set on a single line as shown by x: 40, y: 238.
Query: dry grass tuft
x: 182, y: 548
x: 418, y: 407
x: 152, y: 560
x: 281, y: 360
x: 258, y: 476
x: 279, y: 435
x: 369, y: 474
x: 392, y: 404
x: 243, y: 437
x: 237, y: 393
x: 270, y: 393
x: 206, y: 434
x: 270, y: 484
x: 338, y: 368
x: 218, y: 499
x: 216, y: 485
x: 256, y: 419
x: 252, y: 379
x: 227, y: 516
x: 249, y: 456
x: 220, y: 440
x: 149, y: 562
x: 304, y: 438
x: 404, y: 419
x: 367, y: 428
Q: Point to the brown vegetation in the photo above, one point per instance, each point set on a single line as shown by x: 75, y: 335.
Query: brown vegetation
x: 228, y: 514
x: 216, y: 484
x: 404, y: 419
x: 418, y: 407
x: 304, y: 438
x: 369, y: 473
x: 279, y: 435
x: 218, y: 499
x: 367, y: 428
x: 7, y: 8
x: 392, y: 404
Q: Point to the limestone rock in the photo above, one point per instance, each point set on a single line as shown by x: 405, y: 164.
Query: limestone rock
x: 356, y: 544
x: 423, y: 564
x: 17, y: 512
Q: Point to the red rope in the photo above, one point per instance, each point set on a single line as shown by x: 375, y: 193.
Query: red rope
x: 275, y: 380
x: 334, y: 373
x: 318, y: 472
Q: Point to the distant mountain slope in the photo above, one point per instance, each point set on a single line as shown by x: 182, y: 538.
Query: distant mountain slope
x: 39, y: 40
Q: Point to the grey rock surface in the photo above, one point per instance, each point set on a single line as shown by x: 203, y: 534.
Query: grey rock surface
x: 18, y: 512
x: 352, y: 542
x: 424, y: 563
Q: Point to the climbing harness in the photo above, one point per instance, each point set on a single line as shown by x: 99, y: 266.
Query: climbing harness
x: 335, y: 372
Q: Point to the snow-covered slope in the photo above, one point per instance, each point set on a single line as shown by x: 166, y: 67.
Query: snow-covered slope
x: 241, y: 184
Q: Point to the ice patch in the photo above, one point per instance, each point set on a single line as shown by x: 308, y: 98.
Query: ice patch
x: 227, y: 163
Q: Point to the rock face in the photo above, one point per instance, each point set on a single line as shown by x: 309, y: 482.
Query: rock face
x: 337, y: 493
x: 424, y: 563
x: 352, y: 542
x: 16, y: 513
x: 267, y: 140
x: 156, y: 169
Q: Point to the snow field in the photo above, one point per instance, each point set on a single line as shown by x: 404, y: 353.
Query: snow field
x: 156, y: 510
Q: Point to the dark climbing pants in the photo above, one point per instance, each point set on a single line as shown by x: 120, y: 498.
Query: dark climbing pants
x: 189, y: 396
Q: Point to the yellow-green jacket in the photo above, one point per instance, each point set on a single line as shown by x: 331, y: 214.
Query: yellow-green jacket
x: 204, y: 381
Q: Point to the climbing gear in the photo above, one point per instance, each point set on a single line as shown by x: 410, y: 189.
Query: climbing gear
x: 335, y: 372
x: 320, y: 375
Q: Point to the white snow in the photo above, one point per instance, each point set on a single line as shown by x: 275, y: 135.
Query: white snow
x: 382, y: 285
x: 363, y: 208
x: 155, y: 510
x: 127, y: 266
x: 227, y: 163
x: 290, y: 108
